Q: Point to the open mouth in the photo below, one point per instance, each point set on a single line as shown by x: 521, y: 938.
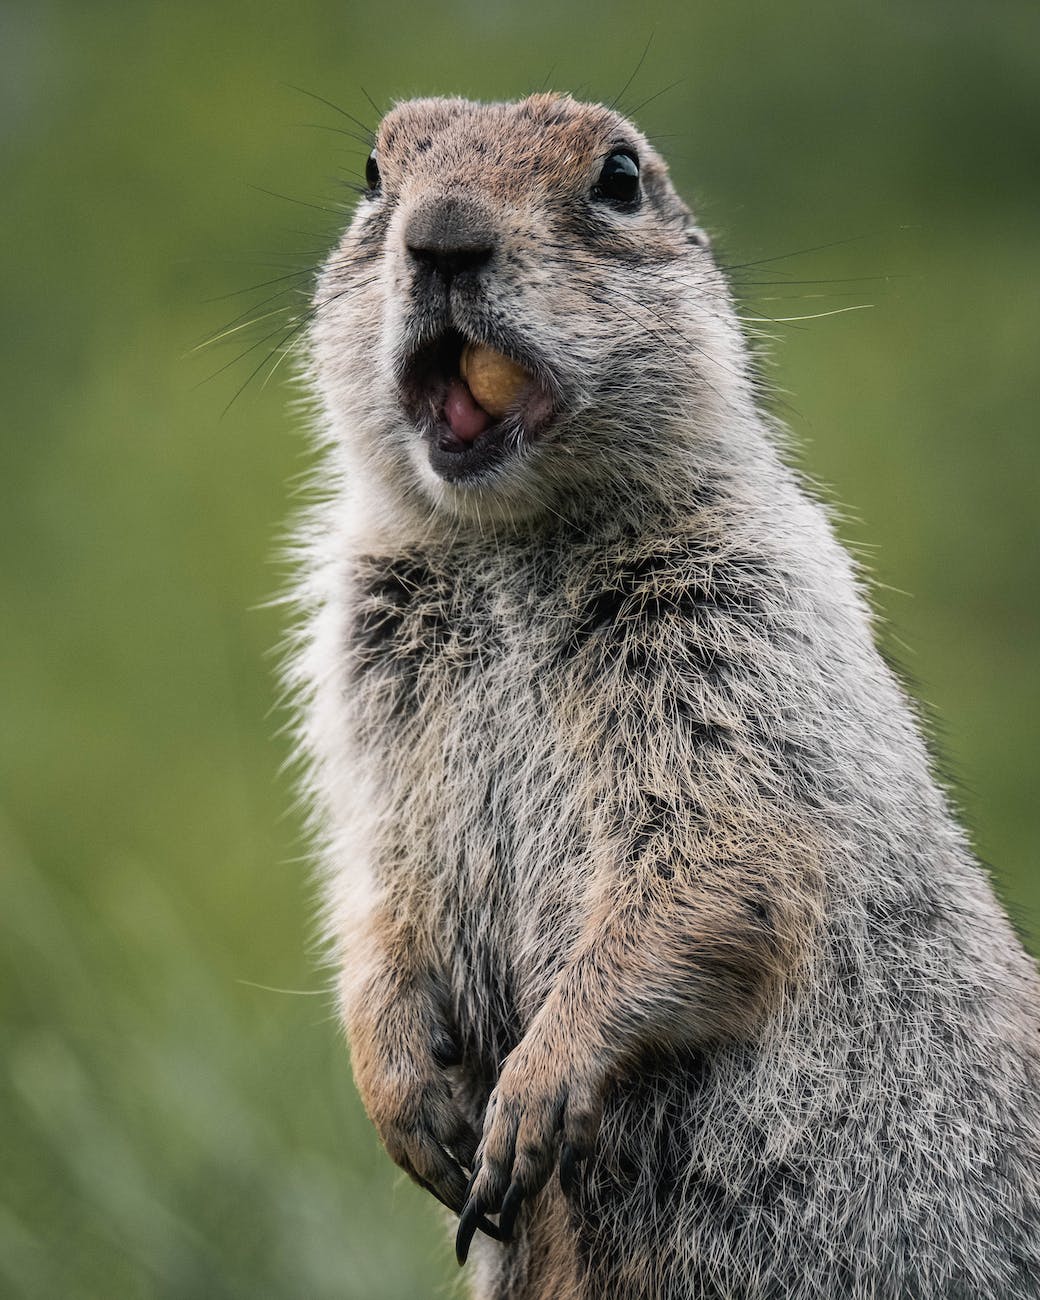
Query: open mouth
x: 475, y: 406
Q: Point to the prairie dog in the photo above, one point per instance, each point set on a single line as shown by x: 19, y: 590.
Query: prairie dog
x: 663, y: 962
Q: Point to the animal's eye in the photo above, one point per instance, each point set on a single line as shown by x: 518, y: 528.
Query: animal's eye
x: 372, y: 172
x: 619, y: 180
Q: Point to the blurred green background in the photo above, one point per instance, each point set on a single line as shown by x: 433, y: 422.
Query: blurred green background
x: 167, y: 1126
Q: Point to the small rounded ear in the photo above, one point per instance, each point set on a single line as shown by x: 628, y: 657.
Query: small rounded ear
x: 692, y: 233
x: 696, y: 236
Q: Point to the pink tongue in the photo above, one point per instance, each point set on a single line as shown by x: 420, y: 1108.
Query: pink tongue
x: 465, y: 418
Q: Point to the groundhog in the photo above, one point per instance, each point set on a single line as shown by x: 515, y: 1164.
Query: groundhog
x: 663, y: 962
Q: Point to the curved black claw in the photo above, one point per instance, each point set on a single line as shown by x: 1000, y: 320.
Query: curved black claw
x: 429, y: 1187
x: 514, y: 1198
x: 469, y: 1222
x: 489, y: 1229
x: 483, y: 1223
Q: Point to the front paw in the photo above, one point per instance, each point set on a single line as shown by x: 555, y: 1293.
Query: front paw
x: 400, y: 1066
x: 541, y: 1105
x: 422, y: 1128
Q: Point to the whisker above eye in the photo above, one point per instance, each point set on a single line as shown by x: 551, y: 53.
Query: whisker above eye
x: 369, y: 135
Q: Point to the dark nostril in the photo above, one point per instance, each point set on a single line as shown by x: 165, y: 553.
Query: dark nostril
x: 450, y: 262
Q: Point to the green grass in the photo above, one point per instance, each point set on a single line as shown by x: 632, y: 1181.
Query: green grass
x: 168, y: 1128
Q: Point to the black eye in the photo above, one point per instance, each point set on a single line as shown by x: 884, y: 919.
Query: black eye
x: 619, y: 180
x: 372, y: 172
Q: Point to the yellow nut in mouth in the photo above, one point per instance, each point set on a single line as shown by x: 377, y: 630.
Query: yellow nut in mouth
x: 493, y: 379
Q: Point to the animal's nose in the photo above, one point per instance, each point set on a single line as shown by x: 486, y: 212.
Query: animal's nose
x: 449, y: 237
x: 450, y: 262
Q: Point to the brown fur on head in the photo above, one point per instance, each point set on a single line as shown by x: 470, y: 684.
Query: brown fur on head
x: 603, y: 303
x: 542, y: 153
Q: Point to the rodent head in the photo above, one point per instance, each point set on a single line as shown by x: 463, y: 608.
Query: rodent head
x: 540, y: 249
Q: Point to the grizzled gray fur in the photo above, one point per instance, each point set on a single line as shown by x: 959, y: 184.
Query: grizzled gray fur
x: 663, y: 961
